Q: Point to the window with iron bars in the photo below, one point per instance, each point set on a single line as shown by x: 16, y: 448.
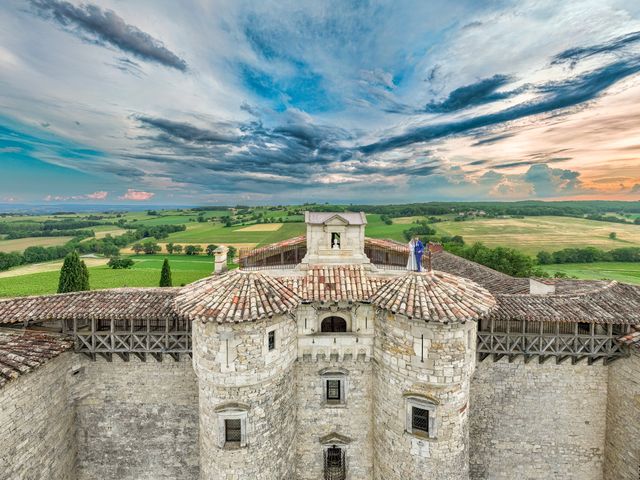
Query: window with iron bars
x: 334, y: 463
x: 421, y: 417
x: 333, y: 390
x: 419, y: 420
x: 233, y: 430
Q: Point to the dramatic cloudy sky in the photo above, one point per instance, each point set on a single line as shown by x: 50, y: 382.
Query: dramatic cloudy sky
x: 205, y: 101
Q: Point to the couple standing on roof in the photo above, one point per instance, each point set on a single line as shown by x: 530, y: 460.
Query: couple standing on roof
x: 416, y: 250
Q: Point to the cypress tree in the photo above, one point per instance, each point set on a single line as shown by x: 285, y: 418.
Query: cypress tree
x: 72, y: 278
x: 85, y: 276
x: 165, y: 276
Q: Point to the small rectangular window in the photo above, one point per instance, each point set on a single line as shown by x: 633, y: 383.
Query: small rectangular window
x: 333, y: 390
x: 420, y: 420
x: 233, y: 430
x: 272, y: 340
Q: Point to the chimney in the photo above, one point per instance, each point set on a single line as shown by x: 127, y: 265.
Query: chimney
x: 220, y: 255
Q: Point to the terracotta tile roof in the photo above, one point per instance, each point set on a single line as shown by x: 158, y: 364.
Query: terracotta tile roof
x: 613, y: 302
x: 117, y: 304
x: 323, y: 283
x: 23, y: 351
x: 492, y: 280
x: 632, y: 339
x: 237, y: 296
x: 434, y: 296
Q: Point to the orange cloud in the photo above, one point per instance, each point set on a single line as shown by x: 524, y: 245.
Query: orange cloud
x: 100, y: 195
x: 137, y: 196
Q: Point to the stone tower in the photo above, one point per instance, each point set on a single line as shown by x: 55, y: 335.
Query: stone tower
x: 335, y: 238
x: 243, y: 355
x: 424, y: 355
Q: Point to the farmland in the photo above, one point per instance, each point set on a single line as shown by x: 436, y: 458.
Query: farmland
x: 623, y: 272
x: 532, y: 234
x: 19, y: 244
x: 250, y: 227
x: 205, y: 233
x: 144, y: 273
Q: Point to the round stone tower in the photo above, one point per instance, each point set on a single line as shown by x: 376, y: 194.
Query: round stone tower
x: 424, y: 357
x: 244, y: 346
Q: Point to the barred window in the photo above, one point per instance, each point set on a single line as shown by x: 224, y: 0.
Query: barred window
x: 272, y: 340
x: 232, y: 425
x: 420, y: 420
x: 421, y: 416
x: 333, y: 390
x: 233, y: 430
x: 334, y: 463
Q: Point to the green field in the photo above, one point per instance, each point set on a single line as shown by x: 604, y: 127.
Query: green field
x: 532, y: 234
x: 376, y: 228
x: 19, y: 244
x: 217, y: 233
x: 145, y: 273
x: 623, y: 272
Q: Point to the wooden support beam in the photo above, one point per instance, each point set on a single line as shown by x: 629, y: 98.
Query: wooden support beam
x: 106, y: 355
x: 141, y: 356
x: 124, y: 356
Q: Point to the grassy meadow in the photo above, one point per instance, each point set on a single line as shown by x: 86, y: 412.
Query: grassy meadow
x: 216, y: 233
x: 620, y: 271
x: 144, y: 273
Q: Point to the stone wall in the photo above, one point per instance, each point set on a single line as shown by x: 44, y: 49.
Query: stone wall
x: 535, y: 421
x: 622, y: 453
x: 317, y: 419
x: 136, y: 420
x: 37, y: 424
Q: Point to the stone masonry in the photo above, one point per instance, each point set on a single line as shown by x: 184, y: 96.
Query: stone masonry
x: 37, y: 424
x: 622, y: 452
x: 136, y: 420
x: 538, y: 422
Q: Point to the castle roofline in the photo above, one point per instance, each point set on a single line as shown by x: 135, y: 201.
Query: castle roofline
x: 434, y: 296
x: 114, y: 303
x: 23, y: 351
x: 236, y: 296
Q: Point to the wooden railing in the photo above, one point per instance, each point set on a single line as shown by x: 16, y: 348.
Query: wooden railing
x: 139, y: 340
x: 576, y: 346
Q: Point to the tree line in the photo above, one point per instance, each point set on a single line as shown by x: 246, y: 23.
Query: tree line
x: 108, y: 246
x: 589, y: 255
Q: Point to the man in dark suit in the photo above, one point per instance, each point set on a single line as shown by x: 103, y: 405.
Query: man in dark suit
x: 419, y: 251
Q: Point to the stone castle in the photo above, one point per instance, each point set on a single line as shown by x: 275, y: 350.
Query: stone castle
x: 321, y: 358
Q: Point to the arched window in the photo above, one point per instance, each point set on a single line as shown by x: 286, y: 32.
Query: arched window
x: 333, y: 324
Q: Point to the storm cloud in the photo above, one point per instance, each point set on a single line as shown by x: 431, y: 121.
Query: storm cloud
x: 93, y: 24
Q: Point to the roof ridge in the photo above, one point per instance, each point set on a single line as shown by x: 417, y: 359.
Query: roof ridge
x: 597, y: 290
